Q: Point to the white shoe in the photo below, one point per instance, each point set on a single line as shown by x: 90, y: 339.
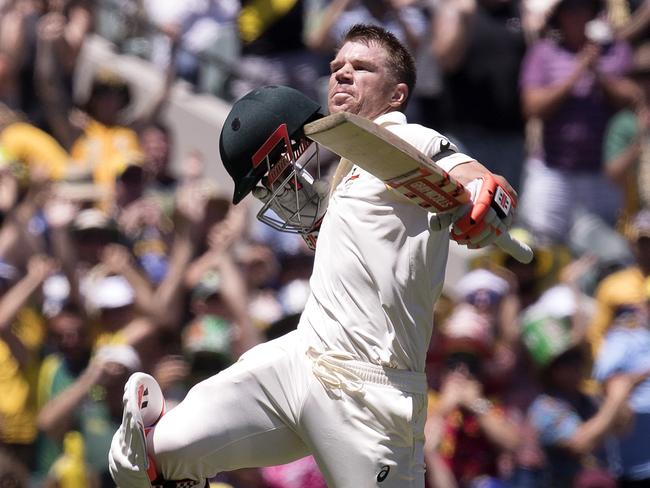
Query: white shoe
x: 144, y: 404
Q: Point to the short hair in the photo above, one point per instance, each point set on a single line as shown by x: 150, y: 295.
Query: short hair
x: 400, y: 61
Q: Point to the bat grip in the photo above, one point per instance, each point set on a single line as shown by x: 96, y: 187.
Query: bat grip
x: 517, y: 249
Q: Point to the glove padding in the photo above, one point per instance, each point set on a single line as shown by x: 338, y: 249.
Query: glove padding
x: 489, y: 216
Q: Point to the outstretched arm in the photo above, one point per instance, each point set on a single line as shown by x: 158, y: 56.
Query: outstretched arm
x: 452, y: 28
x: 38, y: 269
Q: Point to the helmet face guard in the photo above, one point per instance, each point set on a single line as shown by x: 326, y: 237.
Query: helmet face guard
x: 294, y: 196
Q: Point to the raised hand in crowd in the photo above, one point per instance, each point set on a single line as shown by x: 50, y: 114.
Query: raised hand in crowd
x: 57, y: 415
x: 60, y: 212
x: 141, y: 213
x: 39, y: 267
x: 612, y: 413
x: 8, y: 191
x: 170, y: 371
x: 452, y: 28
x: 118, y: 260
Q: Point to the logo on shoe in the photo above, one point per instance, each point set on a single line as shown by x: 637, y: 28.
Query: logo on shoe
x: 143, y: 393
x: 383, y: 474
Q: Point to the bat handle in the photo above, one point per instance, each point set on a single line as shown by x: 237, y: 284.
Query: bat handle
x: 517, y: 249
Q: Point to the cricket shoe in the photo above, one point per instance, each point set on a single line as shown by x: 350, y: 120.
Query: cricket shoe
x: 129, y: 463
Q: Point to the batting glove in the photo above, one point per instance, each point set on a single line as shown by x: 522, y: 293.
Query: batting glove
x: 490, y: 215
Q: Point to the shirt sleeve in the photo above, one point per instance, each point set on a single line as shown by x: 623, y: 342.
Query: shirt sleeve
x: 554, y: 420
x: 533, y: 71
x: 445, y: 153
x: 611, y: 357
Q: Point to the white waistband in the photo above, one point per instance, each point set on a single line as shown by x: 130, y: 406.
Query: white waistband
x: 340, y: 370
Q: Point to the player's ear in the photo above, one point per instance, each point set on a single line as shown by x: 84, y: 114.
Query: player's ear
x: 399, y: 96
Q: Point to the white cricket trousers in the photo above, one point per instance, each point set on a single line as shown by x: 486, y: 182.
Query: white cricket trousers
x: 281, y: 401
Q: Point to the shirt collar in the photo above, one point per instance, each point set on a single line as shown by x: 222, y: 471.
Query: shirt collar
x: 391, y: 118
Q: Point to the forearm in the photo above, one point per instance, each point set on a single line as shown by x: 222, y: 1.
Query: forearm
x: 9, y: 235
x: 75, y: 34
x: 438, y: 473
x: 144, y: 296
x: 55, y: 418
x: 451, y: 37
x: 166, y: 297
x: 590, y: 433
x: 617, y: 169
x: 321, y: 39
x: 15, y: 299
x: 620, y: 92
x: 236, y: 295
x: 412, y: 39
x: 64, y: 250
x: 52, y: 95
x: 12, y: 37
x: 197, y: 269
x: 637, y: 24
x: 466, y: 172
x: 543, y: 102
x: 499, y: 431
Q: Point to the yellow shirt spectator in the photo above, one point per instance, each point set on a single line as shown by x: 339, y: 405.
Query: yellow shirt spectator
x: 23, y: 142
x: 618, y: 293
x: 106, y: 151
x: 18, y: 385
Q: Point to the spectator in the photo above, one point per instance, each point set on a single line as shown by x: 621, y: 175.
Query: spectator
x: 21, y: 334
x: 91, y: 402
x: 407, y: 22
x: 627, y: 143
x: 272, y: 47
x: 479, y: 45
x: 98, y: 141
x: 26, y: 147
x: 572, y: 427
x: 573, y: 85
x: 631, y: 20
x: 156, y: 143
x: 192, y: 28
x: 71, y: 343
x: 626, y: 350
x: 623, y: 292
x: 466, y: 431
x: 65, y: 24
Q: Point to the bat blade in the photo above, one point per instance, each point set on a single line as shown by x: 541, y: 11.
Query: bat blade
x: 400, y: 165
x: 390, y: 158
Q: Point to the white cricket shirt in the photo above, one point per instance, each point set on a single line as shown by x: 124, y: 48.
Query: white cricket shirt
x: 378, y: 268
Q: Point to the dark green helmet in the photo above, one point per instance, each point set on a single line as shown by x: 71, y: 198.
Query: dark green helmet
x: 252, y: 120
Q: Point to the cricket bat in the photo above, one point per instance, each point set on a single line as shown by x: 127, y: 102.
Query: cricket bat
x: 401, y: 166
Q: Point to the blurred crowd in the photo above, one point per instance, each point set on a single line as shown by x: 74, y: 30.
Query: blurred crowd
x: 115, y: 259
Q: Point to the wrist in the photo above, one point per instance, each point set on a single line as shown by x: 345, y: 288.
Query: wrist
x: 480, y: 406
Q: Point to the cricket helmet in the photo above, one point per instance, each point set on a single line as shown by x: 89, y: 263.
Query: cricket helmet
x: 247, y: 135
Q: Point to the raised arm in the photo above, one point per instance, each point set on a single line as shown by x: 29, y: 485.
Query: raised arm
x: 118, y: 259
x: 168, y: 296
x: 543, y: 102
x: 321, y: 39
x: 49, y: 80
x: 59, y: 214
x: 221, y: 240
x: 452, y: 29
x: 589, y: 435
x: 38, y: 269
x: 57, y: 415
